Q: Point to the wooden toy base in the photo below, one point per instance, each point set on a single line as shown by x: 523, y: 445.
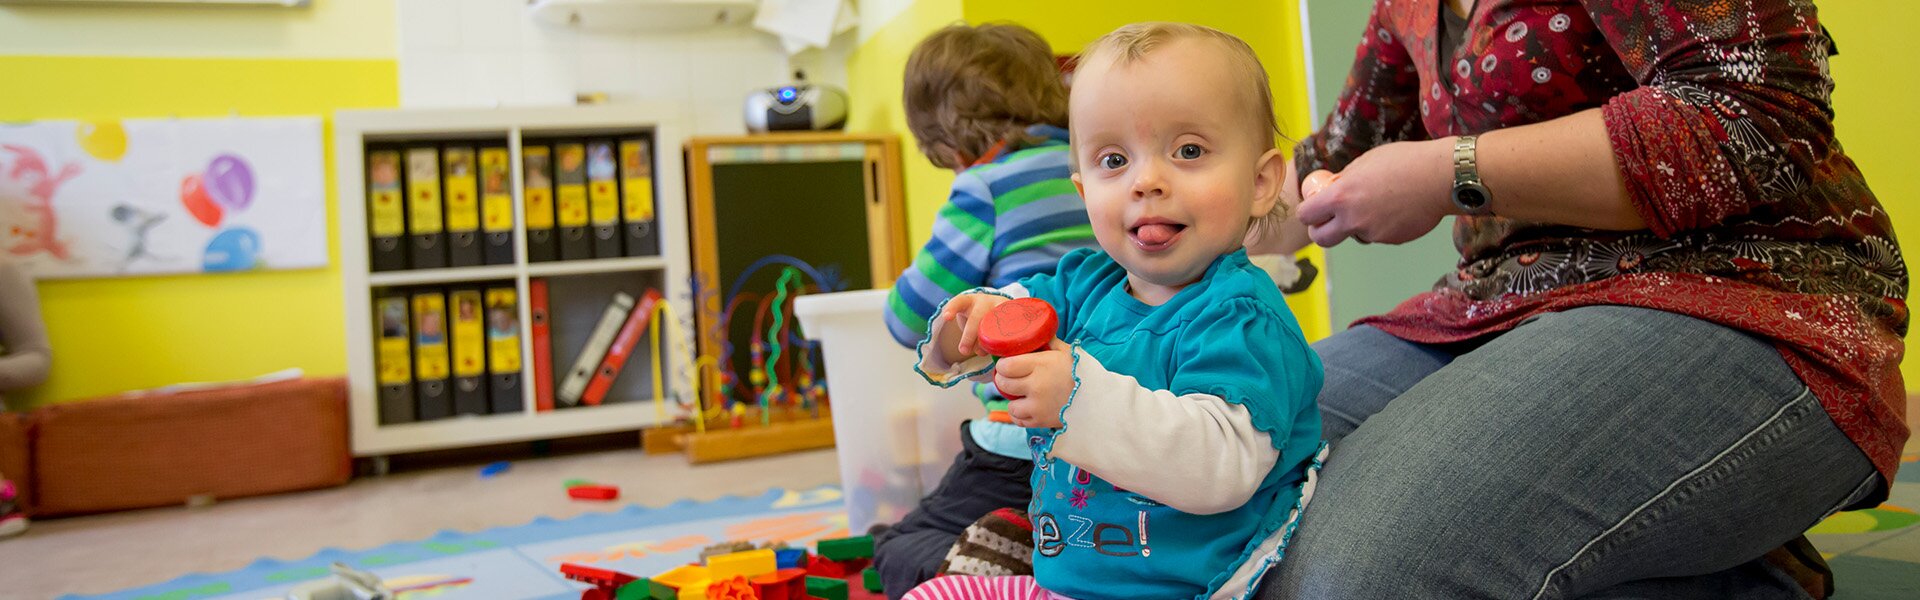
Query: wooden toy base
x: 789, y: 431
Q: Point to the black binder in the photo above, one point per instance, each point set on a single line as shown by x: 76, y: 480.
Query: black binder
x: 469, y: 336
x: 537, y: 192
x: 461, y: 183
x: 434, y: 400
x: 636, y: 197
x: 570, y: 177
x: 496, y: 205
x: 393, y: 357
x: 386, y: 210
x: 425, y: 223
x: 503, y: 351
x: 603, y: 198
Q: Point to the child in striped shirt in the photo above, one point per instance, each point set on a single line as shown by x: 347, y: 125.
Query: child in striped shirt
x: 986, y: 102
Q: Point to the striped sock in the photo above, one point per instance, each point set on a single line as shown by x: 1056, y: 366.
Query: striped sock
x: 997, y: 545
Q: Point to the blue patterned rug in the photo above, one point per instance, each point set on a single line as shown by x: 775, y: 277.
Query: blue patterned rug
x: 524, y: 561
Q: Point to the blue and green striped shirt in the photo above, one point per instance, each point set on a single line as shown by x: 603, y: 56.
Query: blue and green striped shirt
x: 1007, y: 219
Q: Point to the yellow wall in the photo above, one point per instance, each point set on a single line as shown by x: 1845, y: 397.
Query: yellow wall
x: 108, y: 62
x: 116, y: 334
x: 326, y: 29
x: 1875, y: 119
x: 874, y: 75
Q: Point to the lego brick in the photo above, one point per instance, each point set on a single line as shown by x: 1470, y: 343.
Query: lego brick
x: 790, y: 558
x: 742, y: 564
x: 846, y: 548
x: 870, y: 578
x: 689, y: 582
x: 638, y: 589
x: 594, y: 492
x: 827, y: 588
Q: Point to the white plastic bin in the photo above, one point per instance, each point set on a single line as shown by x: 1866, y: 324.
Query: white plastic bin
x: 895, y: 433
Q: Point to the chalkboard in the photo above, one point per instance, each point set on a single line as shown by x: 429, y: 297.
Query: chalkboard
x: 826, y: 204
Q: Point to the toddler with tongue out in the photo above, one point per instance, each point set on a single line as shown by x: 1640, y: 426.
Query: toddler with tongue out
x: 1172, y: 419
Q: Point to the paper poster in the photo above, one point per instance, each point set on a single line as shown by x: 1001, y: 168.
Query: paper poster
x: 162, y: 196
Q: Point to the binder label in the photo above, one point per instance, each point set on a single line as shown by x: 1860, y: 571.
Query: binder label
x: 387, y: 217
x: 469, y: 348
x: 601, y: 185
x: 573, y: 189
x: 395, y: 367
x: 636, y: 168
x: 503, y: 331
x: 430, y: 335
x: 463, y: 195
x: 423, y: 189
x: 539, y: 187
x: 496, y: 203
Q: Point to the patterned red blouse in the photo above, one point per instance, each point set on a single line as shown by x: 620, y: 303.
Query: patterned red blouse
x: 1720, y: 119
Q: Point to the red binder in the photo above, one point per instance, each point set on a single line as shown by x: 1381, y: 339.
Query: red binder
x: 622, y: 349
x: 542, y: 345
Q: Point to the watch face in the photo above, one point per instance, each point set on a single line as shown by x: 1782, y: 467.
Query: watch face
x: 1472, y: 197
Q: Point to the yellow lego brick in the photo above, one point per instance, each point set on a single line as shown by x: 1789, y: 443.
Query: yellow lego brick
x: 690, y: 580
x: 747, y: 564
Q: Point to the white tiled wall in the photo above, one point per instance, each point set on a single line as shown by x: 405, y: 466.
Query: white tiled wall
x: 479, y: 53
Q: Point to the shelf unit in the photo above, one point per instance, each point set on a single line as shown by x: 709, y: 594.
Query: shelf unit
x: 669, y: 271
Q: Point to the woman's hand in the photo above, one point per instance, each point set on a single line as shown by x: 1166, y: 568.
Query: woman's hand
x: 1044, y: 377
x: 1392, y: 194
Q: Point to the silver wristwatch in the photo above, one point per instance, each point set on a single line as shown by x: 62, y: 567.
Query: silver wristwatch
x: 1468, y: 193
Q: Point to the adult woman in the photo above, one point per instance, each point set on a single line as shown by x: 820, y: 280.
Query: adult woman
x: 1673, y: 339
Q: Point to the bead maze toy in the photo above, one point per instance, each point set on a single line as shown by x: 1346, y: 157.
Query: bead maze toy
x: 778, y: 403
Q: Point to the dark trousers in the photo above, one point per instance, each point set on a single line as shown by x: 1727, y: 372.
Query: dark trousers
x: 979, y: 482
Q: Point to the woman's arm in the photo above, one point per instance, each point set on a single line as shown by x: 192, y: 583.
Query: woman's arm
x: 1379, y: 104
x: 1705, y: 138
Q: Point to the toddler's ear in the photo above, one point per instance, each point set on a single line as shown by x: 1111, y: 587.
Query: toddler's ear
x: 1269, y: 178
x: 1077, y: 188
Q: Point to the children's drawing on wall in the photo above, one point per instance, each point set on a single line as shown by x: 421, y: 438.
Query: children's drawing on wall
x: 160, y: 196
x: 139, y: 224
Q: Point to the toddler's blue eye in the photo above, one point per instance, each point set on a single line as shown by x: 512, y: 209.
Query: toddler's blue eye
x: 1190, y: 151
x: 1113, y: 161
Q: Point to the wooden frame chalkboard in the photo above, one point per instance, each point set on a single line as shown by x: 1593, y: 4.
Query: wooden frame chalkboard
x: 832, y: 200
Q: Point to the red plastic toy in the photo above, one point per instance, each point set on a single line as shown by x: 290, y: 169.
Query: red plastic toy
x: 605, y: 582
x: 1018, y: 327
x: 594, y: 492
x: 784, y: 584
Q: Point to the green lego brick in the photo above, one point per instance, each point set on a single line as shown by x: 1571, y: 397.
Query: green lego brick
x: 846, y: 548
x: 638, y: 589
x: 660, y: 591
x: 826, y: 588
x: 871, y: 579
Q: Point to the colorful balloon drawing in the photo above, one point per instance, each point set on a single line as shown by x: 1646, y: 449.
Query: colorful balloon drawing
x: 229, y: 179
x: 194, y: 196
x: 235, y: 249
x: 105, y: 140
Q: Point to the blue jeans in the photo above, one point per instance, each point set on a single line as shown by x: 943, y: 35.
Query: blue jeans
x: 1600, y: 452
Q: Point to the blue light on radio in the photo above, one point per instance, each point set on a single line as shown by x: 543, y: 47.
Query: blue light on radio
x: 787, y: 94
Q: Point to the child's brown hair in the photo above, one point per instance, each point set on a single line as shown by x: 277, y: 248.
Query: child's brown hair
x: 968, y: 88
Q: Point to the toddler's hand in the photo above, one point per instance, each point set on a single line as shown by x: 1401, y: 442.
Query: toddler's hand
x: 1044, y: 377
x: 969, y: 311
